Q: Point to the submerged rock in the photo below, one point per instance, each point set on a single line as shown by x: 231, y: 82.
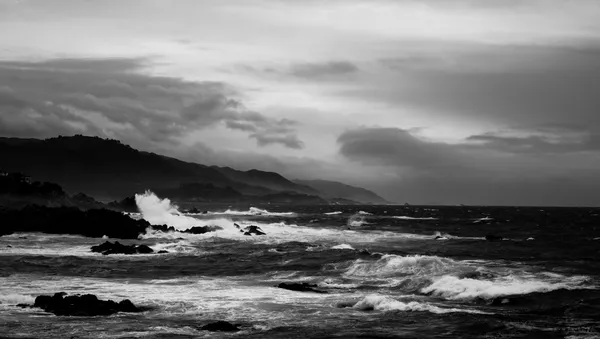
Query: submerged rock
x: 252, y: 230
x: 87, y: 305
x: 249, y: 230
x: 163, y: 228
x: 117, y: 248
x: 220, y: 326
x: 192, y: 230
x: 202, y: 229
x: 300, y: 287
x: 492, y: 237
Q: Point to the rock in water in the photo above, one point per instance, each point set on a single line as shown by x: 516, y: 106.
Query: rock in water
x: 87, y: 305
x: 492, y: 237
x: 69, y: 220
x: 252, y: 229
x: 117, y: 248
x: 220, y: 326
x: 300, y: 287
x: 202, y: 229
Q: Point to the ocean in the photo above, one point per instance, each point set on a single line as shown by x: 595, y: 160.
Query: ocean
x: 388, y: 272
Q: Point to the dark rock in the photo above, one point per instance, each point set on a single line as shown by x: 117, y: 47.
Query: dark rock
x: 126, y: 205
x: 144, y: 249
x: 163, y: 228
x: 252, y: 229
x: 162, y: 252
x: 127, y: 306
x: 364, y: 251
x: 300, y: 287
x: 70, y: 220
x: 492, y: 237
x: 220, y: 326
x: 42, y: 301
x: 194, y: 210
x: 202, y: 229
x: 82, y: 305
x: 117, y: 248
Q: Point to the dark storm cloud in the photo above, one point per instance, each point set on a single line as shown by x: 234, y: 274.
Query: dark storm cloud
x: 538, y: 144
x: 395, y: 147
x: 317, y: 70
x: 109, y: 97
x: 290, y: 141
x: 482, y: 172
x: 504, y: 85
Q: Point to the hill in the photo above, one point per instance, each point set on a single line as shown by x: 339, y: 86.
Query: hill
x: 110, y: 170
x: 337, y: 190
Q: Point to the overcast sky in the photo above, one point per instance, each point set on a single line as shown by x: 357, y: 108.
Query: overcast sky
x: 431, y: 101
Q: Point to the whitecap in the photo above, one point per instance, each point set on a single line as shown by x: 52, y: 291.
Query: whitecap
x: 405, y: 217
x: 252, y: 211
x: 452, y: 287
x: 342, y: 247
x: 160, y: 211
x: 394, y: 265
x: 333, y: 213
x: 384, y: 303
x: 12, y: 299
x: 482, y: 220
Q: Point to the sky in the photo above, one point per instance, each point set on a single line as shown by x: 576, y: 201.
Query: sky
x: 488, y: 102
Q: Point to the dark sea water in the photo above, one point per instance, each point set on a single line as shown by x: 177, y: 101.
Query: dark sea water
x: 540, y: 282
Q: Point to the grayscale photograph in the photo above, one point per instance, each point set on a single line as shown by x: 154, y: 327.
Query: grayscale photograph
x: 292, y: 169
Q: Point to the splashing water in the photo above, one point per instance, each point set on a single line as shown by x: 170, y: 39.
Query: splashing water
x: 160, y: 211
x: 356, y: 220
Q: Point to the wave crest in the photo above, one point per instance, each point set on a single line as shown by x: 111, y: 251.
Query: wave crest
x: 383, y: 303
x: 453, y: 288
x: 393, y: 265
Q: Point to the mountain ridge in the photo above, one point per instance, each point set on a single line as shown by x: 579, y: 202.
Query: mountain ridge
x: 337, y: 190
x: 109, y: 170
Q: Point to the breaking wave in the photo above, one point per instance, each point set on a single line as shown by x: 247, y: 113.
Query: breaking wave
x: 342, y: 247
x: 452, y: 287
x: 404, y: 217
x: 356, y: 220
x: 383, y: 303
x: 15, y: 298
x: 160, y: 211
x: 394, y: 265
x: 333, y: 213
x: 455, y: 280
x: 252, y: 211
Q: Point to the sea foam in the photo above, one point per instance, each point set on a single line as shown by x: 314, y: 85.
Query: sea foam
x: 453, y: 288
x: 395, y: 265
x: 384, y: 303
x: 160, y: 211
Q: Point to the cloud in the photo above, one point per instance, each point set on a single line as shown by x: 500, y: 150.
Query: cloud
x: 395, y: 147
x: 310, y: 71
x: 493, y: 170
x: 112, y: 98
x: 538, y: 144
x: 501, y: 85
x: 318, y: 70
x: 290, y: 141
